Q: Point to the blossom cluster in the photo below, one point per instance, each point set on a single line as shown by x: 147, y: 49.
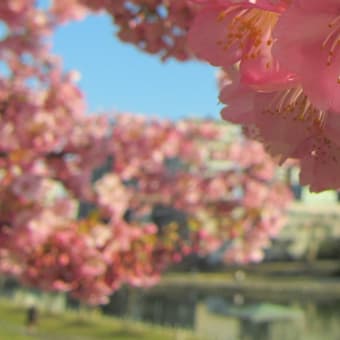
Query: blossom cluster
x: 281, y: 63
x: 48, y: 240
x: 154, y: 26
x: 241, y: 202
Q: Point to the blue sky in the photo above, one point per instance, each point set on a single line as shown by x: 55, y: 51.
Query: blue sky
x: 116, y: 76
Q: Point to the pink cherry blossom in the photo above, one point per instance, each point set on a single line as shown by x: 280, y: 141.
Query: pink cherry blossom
x: 301, y: 130
x: 226, y: 32
x: 307, y: 35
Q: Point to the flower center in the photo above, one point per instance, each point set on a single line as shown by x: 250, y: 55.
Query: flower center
x: 294, y: 103
x: 249, y: 30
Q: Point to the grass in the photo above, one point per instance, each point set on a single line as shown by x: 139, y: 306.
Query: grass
x: 80, y: 326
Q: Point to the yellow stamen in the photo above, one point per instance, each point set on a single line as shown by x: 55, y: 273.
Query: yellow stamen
x: 332, y: 40
x: 249, y: 28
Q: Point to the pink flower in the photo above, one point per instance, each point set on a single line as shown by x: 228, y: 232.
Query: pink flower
x: 226, y: 32
x: 290, y: 127
x: 308, y: 45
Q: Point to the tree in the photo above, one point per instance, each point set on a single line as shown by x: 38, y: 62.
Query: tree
x: 68, y: 224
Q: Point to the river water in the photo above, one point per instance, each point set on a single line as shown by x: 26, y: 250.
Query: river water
x: 234, y: 316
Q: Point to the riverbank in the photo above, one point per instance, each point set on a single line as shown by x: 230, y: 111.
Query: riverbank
x: 298, y: 281
x: 81, y: 325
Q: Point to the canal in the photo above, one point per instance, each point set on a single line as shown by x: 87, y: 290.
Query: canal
x: 239, y: 306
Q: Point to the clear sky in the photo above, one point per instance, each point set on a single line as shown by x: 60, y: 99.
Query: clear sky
x: 116, y: 76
